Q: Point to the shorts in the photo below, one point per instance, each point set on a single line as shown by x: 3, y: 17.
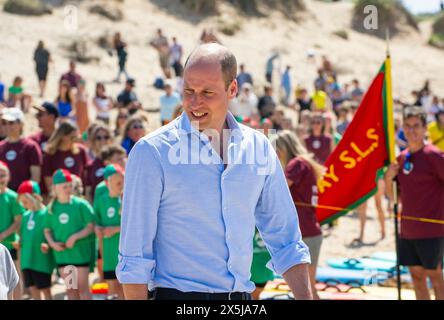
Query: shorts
x: 13, y: 253
x: 164, y: 60
x: 109, y: 275
x: 260, y: 284
x: 314, y: 245
x: 427, y: 253
x: 39, y: 279
x: 79, y: 265
x: 42, y: 72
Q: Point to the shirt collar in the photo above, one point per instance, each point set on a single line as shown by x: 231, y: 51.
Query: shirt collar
x: 184, y: 123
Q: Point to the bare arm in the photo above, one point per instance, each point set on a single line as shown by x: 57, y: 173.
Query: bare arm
x: 135, y: 291
x: 298, y: 280
x: 391, y: 173
x: 36, y: 173
x: 12, y: 228
x: 48, y: 182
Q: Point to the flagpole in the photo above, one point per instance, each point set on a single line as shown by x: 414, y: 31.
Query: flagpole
x: 391, y: 141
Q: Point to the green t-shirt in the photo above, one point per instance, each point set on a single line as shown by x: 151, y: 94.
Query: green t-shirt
x: 66, y: 219
x: 259, y: 272
x: 100, y: 189
x: 107, y: 211
x: 9, y: 209
x: 15, y: 90
x: 32, y: 236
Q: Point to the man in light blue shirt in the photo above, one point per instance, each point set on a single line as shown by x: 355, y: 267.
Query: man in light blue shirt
x: 168, y: 102
x: 194, y: 191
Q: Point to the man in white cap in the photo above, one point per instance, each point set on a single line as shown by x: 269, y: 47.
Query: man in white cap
x: 245, y: 104
x: 22, y: 155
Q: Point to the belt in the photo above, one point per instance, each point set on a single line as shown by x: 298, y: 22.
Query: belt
x: 173, y: 294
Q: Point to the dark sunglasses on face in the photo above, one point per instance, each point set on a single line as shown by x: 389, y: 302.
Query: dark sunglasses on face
x: 122, y: 116
x: 137, y: 126
x: 100, y: 138
x: 6, y: 123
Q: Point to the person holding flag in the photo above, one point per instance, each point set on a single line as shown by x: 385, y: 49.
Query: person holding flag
x: 419, y: 173
x: 108, y: 211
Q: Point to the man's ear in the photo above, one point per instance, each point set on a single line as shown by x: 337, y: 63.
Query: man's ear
x: 232, y: 89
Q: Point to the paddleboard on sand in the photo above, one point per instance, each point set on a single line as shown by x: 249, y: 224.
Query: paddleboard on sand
x: 364, y: 264
x: 347, y: 276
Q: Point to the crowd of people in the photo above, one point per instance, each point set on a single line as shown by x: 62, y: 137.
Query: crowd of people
x: 61, y: 187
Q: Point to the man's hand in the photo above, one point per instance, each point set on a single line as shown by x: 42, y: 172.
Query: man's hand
x: 298, y: 280
x: 135, y: 291
x: 392, y: 171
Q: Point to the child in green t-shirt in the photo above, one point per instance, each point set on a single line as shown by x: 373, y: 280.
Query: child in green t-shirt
x: 36, y: 258
x: 10, y: 216
x: 260, y: 274
x: 107, y: 208
x: 68, y: 225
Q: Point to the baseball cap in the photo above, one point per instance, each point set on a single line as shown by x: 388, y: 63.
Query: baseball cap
x: 48, y: 107
x: 13, y: 114
x: 112, y: 169
x: 61, y: 176
x: 29, y: 186
x: 131, y: 82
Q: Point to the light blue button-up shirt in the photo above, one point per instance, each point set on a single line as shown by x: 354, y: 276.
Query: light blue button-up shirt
x: 188, y: 223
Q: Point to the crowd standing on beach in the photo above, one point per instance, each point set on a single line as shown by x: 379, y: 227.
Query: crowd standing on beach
x: 61, y: 187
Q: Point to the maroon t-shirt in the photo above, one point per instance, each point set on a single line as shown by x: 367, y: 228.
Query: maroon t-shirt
x: 304, y: 190
x: 74, y: 163
x: 40, y: 139
x: 19, y: 157
x: 422, y: 193
x: 319, y: 146
x: 94, y: 174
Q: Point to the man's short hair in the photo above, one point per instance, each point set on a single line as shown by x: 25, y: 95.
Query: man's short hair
x: 228, y: 64
x: 415, y: 112
x: 110, y: 150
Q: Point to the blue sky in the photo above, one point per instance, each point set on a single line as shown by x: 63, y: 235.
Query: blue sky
x: 422, y: 6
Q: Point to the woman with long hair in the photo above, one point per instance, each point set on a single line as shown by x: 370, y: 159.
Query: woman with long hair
x: 302, y: 172
x: 100, y: 137
x: 102, y: 103
x: 63, y: 151
x: 318, y: 141
x: 65, y: 101
x: 135, y: 129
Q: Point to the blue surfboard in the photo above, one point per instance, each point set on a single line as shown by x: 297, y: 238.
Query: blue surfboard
x: 364, y: 264
x: 347, y: 276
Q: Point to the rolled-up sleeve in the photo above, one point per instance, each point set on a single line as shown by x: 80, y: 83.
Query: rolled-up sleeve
x: 278, y: 223
x: 141, y: 200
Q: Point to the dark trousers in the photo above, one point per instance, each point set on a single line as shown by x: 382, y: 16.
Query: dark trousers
x: 173, y: 294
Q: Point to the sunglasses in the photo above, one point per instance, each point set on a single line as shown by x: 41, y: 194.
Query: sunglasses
x: 100, y: 138
x: 122, y: 116
x: 137, y: 126
x: 10, y: 123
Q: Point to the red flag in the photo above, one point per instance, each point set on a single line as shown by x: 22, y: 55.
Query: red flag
x: 352, y: 168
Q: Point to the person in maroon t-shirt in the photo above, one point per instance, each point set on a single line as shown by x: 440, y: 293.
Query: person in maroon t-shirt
x: 71, y: 76
x: 22, y: 155
x: 318, y: 142
x: 302, y: 173
x: 420, y: 175
x: 46, y: 115
x: 100, y: 137
x: 64, y: 152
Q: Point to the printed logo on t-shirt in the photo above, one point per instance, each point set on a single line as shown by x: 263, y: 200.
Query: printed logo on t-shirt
x: 99, y: 172
x: 31, y: 224
x: 64, y: 218
x: 111, y: 212
x: 69, y: 162
x: 11, y: 155
x: 316, y: 144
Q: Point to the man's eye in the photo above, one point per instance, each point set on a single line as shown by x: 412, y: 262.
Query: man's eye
x: 208, y: 93
x: 189, y: 91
